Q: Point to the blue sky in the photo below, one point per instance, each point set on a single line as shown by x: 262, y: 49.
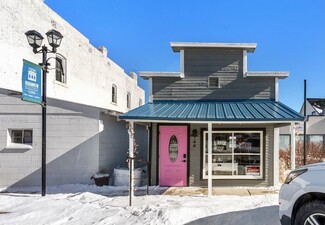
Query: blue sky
x: 290, y: 34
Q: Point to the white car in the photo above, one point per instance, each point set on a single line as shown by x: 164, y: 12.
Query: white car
x: 302, y: 196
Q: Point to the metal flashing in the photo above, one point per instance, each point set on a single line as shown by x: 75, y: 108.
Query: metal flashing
x: 178, y: 46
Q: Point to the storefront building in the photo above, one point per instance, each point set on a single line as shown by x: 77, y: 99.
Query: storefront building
x: 214, y: 123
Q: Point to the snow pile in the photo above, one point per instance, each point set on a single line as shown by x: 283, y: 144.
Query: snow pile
x: 88, y: 204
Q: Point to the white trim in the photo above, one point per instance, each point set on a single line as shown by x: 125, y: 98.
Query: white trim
x: 276, y: 89
x: 131, y: 154
x: 293, y: 146
x: 278, y: 74
x: 233, y: 177
x: 244, y: 62
x: 150, y: 90
x: 181, y: 64
x: 209, y: 158
x: 276, y: 170
x: 19, y: 146
x: 147, y: 75
x: 214, y: 122
x: 177, y: 46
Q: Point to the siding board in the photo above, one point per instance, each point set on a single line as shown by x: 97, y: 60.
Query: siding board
x: 226, y: 65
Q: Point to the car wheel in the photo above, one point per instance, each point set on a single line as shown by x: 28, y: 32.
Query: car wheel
x: 311, y: 213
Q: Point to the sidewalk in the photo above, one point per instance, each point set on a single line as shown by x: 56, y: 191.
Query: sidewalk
x: 217, y: 191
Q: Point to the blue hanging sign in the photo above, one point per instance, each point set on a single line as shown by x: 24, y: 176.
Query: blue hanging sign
x: 31, y: 82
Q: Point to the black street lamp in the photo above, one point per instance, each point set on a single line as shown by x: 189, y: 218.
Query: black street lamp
x: 35, y: 41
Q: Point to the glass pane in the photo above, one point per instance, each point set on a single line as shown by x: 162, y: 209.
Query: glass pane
x: 284, y: 142
x: 248, y: 164
x: 114, y: 93
x: 315, y: 139
x: 300, y: 139
x: 58, y: 69
x: 222, y: 143
x: 17, y: 136
x: 221, y: 165
x: 173, y: 148
x: 247, y: 143
x: 28, y: 134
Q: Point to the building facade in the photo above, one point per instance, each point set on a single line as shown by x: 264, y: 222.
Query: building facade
x: 214, y: 123
x: 315, y: 125
x: 86, y: 91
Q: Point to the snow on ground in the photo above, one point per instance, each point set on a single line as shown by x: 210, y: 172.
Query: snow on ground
x: 88, y: 204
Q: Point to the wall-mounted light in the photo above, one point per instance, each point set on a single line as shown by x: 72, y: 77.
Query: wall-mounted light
x: 194, y: 135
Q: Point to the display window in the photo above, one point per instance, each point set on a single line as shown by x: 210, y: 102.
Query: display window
x: 235, y: 155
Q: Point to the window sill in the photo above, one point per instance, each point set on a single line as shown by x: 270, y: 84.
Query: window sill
x: 60, y: 83
x: 235, y: 177
x: 17, y: 148
x: 114, y: 103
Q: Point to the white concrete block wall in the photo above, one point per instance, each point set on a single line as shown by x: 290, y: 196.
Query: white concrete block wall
x: 90, y: 74
x: 72, y: 143
x: 74, y: 149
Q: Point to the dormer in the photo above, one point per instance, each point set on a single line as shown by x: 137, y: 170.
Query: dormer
x: 213, y: 49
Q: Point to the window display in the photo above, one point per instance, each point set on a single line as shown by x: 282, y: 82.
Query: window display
x: 234, y: 154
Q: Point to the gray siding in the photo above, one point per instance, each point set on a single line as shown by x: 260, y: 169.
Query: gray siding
x: 226, y: 65
x: 195, y: 154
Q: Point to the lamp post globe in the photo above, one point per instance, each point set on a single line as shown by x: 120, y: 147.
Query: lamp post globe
x: 34, y: 39
x: 54, y: 38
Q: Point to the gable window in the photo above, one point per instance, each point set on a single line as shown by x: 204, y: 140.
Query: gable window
x: 235, y: 154
x: 114, y: 93
x: 21, y: 136
x: 140, y: 102
x: 213, y: 82
x: 128, y: 100
x: 61, y: 68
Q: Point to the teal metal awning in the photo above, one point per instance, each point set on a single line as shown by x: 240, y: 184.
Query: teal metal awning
x: 219, y: 111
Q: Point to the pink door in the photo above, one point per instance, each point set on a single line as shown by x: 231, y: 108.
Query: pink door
x: 173, y: 156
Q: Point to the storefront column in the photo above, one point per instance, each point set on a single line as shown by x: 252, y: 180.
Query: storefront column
x: 276, y: 157
x: 131, y: 155
x: 209, y: 159
x: 293, y: 146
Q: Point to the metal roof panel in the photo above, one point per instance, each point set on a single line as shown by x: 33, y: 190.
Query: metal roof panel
x: 214, y: 110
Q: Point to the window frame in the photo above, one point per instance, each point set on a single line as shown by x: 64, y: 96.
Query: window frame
x: 204, y: 154
x: 128, y: 100
x: 63, y: 67
x: 210, y: 83
x: 23, y: 145
x: 114, y: 94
